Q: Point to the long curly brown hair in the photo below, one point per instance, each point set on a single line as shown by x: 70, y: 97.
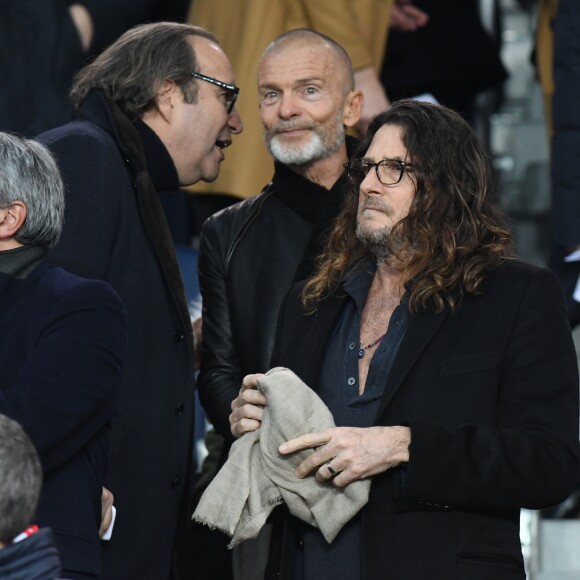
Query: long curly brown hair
x: 455, y: 230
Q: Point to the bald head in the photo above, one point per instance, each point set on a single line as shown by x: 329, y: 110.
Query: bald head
x: 307, y: 98
x: 306, y: 38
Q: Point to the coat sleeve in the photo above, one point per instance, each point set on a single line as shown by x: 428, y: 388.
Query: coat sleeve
x: 220, y: 375
x: 566, y: 117
x: 69, y: 386
x: 528, y: 454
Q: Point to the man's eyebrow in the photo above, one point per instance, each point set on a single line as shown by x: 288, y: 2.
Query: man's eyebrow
x: 296, y: 83
x: 309, y: 80
x: 268, y: 86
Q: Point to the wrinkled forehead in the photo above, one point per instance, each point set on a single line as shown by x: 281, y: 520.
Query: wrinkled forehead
x: 298, y: 60
x: 387, y: 143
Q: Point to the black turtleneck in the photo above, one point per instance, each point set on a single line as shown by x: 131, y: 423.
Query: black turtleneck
x: 314, y: 203
x: 164, y: 176
x: 19, y: 262
x: 160, y: 166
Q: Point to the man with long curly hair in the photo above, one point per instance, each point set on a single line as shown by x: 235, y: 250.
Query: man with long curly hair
x: 448, y: 367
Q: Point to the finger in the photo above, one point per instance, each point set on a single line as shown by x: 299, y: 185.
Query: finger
x: 253, y: 397
x: 326, y: 472
x: 106, y: 520
x: 305, y: 442
x: 251, y: 381
x: 249, y: 397
x: 315, y: 461
x: 245, y: 425
x: 246, y: 412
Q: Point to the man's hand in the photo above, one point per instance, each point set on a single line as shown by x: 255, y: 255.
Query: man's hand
x: 197, y: 326
x: 407, y: 17
x: 247, y: 407
x: 83, y: 23
x: 352, y: 453
x: 107, y: 500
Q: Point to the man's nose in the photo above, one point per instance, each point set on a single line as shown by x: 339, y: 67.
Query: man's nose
x: 288, y: 106
x: 235, y: 122
x: 370, y: 185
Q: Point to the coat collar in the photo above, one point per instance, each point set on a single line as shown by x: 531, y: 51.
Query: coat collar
x: 105, y: 113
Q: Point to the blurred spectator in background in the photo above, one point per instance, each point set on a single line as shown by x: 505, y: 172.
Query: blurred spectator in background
x: 452, y: 57
x: 157, y: 109
x: 543, y: 55
x: 62, y: 354
x: 565, y: 260
x: 42, y: 45
x: 26, y: 552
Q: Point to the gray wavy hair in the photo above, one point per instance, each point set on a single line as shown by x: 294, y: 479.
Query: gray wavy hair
x: 29, y: 173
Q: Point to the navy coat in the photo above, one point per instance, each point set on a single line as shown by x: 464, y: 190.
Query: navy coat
x: 491, y: 397
x: 115, y: 230
x: 63, y: 345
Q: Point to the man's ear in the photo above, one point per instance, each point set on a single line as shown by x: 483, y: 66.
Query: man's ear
x: 353, y: 107
x: 11, y: 219
x: 165, y: 100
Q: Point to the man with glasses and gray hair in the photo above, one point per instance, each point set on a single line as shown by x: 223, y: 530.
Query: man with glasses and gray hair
x: 62, y: 354
x: 156, y: 111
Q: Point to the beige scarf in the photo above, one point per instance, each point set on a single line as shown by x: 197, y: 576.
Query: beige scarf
x: 256, y: 477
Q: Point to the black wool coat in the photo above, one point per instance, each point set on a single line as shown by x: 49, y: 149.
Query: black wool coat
x: 491, y: 397
x: 115, y: 230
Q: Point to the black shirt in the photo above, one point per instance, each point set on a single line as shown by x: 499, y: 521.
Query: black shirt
x: 339, y: 389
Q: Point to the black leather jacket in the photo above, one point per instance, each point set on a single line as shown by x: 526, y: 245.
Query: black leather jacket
x: 250, y: 254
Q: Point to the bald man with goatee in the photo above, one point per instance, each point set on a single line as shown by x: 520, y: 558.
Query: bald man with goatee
x: 253, y: 251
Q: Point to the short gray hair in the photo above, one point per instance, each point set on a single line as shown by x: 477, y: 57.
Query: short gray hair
x: 28, y: 173
x: 20, y: 480
x: 131, y: 70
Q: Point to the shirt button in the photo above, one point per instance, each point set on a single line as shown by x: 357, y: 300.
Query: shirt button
x: 352, y: 346
x: 351, y: 381
x: 178, y: 336
x: 179, y: 409
x: 175, y: 482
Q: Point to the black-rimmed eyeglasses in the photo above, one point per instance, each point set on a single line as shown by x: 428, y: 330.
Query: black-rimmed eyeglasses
x: 231, y: 90
x: 389, y: 171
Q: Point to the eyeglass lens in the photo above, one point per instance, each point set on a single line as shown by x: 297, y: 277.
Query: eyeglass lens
x: 388, y: 171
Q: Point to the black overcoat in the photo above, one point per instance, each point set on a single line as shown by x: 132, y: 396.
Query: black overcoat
x: 491, y: 397
x: 115, y: 230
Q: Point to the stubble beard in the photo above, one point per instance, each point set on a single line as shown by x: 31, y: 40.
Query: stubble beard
x: 382, y: 242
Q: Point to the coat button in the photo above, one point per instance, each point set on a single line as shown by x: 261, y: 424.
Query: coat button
x: 179, y: 409
x: 178, y: 336
x: 175, y: 482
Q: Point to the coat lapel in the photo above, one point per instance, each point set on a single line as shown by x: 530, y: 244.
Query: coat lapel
x: 422, y: 327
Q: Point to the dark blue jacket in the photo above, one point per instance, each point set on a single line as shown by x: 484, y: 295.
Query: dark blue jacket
x: 35, y: 558
x: 61, y: 362
x: 115, y: 230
